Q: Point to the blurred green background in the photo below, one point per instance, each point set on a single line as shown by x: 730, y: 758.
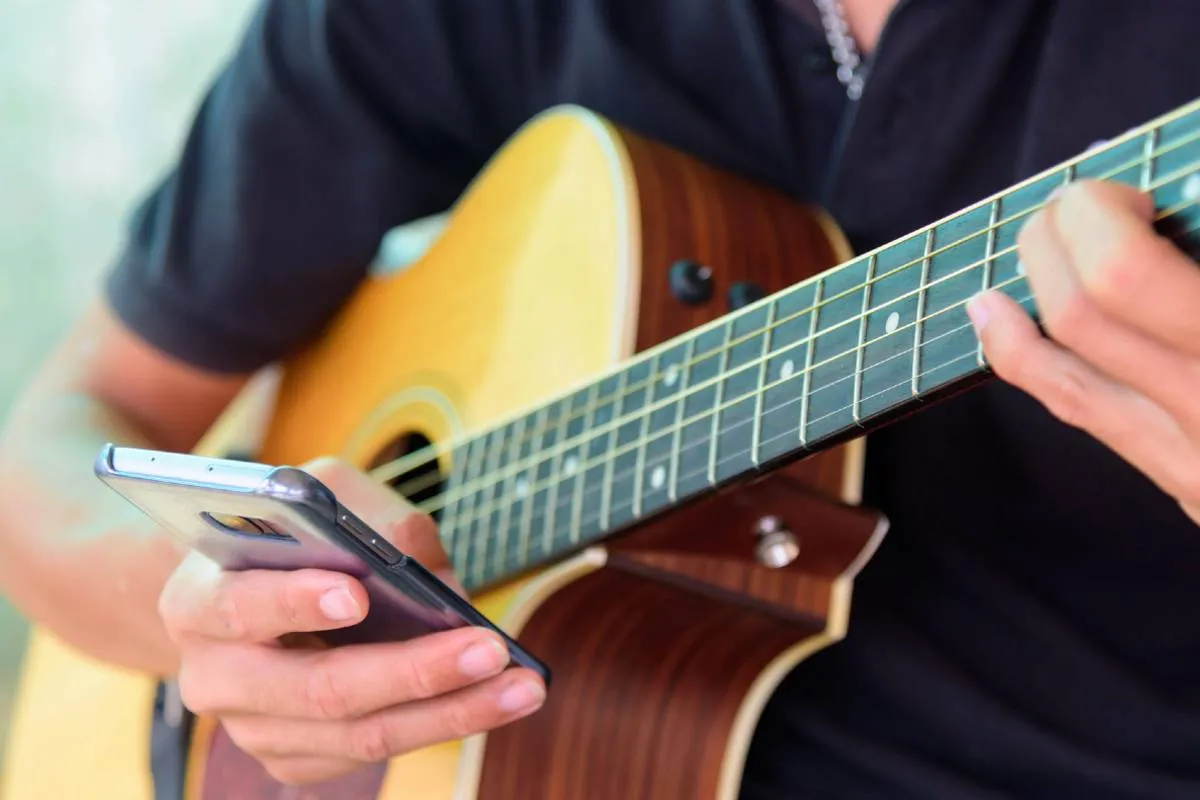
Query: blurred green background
x: 95, y: 96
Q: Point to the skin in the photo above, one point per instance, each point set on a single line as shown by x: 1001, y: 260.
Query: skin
x: 866, y: 19
x: 1122, y: 362
x: 1122, y: 357
x: 101, y: 576
x: 310, y: 713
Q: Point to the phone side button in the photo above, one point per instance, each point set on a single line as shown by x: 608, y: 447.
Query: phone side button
x: 383, y: 548
x: 373, y: 541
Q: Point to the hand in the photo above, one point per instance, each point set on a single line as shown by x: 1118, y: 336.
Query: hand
x: 1121, y: 305
x: 316, y: 713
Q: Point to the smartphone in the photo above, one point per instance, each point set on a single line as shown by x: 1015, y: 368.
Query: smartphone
x: 245, y: 516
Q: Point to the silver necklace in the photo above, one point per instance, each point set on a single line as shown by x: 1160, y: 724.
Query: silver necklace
x: 842, y: 46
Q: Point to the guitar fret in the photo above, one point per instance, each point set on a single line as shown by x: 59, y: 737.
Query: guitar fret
x: 1147, y: 173
x: 525, y: 484
x: 626, y: 449
x: 699, y: 405
x: 989, y: 255
x: 806, y: 384
x: 718, y: 403
x: 761, y: 390
x: 473, y: 563
x: 859, y: 351
x: 740, y: 389
x: 716, y: 414
x: 639, y: 469
x: 919, y: 323
x: 576, y: 528
x: 660, y: 429
x: 606, y: 497
x: 494, y: 496
x: 453, y: 538
x: 555, y: 477
x: 593, y: 455
x: 513, y: 449
x: 689, y: 353
x: 1068, y: 176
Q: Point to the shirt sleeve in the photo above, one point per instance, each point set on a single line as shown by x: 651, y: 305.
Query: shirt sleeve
x: 331, y: 123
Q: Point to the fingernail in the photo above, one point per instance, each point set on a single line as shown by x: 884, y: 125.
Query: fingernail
x: 523, y: 696
x: 485, y: 658
x: 978, y: 312
x: 339, y: 605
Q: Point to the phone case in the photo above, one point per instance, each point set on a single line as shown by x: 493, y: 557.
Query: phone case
x: 245, y: 516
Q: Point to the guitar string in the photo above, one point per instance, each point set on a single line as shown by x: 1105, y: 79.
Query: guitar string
x: 546, y: 456
x: 426, y: 455
x: 493, y: 477
x: 551, y: 530
x: 578, y: 497
x: 701, y: 415
x: 637, y: 443
x: 479, y: 512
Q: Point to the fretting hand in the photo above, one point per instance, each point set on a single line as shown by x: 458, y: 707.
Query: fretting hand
x: 1121, y: 305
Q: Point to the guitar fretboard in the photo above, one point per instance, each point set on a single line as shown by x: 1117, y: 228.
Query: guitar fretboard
x: 827, y: 358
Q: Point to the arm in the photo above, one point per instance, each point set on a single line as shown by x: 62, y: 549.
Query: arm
x: 332, y: 123
x: 95, y: 570
x: 73, y: 555
x: 308, y: 147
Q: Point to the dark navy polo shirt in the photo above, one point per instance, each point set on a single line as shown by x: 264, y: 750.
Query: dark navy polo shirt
x: 1031, y: 625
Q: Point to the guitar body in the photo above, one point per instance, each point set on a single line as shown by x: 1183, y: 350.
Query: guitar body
x: 665, y: 641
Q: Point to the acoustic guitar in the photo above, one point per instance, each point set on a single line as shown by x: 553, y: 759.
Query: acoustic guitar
x: 642, y: 440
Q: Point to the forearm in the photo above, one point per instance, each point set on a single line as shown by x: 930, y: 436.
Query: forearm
x: 75, y: 557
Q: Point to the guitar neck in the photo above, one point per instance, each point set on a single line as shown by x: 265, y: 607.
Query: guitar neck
x: 830, y: 358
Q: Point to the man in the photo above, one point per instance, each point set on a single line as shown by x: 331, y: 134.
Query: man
x: 1030, y: 625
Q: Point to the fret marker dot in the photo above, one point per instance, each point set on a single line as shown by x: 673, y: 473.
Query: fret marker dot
x: 671, y: 375
x: 1191, y: 187
x: 571, y: 464
x: 521, y: 487
x: 893, y: 322
x: 658, y: 476
x: 1020, y: 267
x: 787, y: 370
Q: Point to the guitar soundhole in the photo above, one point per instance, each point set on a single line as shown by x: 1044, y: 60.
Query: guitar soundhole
x: 422, y: 480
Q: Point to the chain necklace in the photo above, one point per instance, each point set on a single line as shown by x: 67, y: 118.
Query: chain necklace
x: 842, y: 46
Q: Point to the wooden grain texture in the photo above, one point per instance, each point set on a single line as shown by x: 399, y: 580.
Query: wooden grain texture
x: 649, y: 679
x: 530, y: 289
x: 708, y: 546
x: 655, y: 654
x: 552, y: 270
x: 742, y: 232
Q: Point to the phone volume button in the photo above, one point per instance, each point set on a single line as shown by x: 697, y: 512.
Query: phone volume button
x: 371, y: 540
x: 384, y: 550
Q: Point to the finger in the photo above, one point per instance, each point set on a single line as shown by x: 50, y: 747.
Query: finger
x: 400, y: 729
x: 1073, y: 319
x: 1128, y: 269
x: 1077, y: 394
x: 202, y: 601
x: 337, y: 683
x: 304, y: 770
x: 385, y: 510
